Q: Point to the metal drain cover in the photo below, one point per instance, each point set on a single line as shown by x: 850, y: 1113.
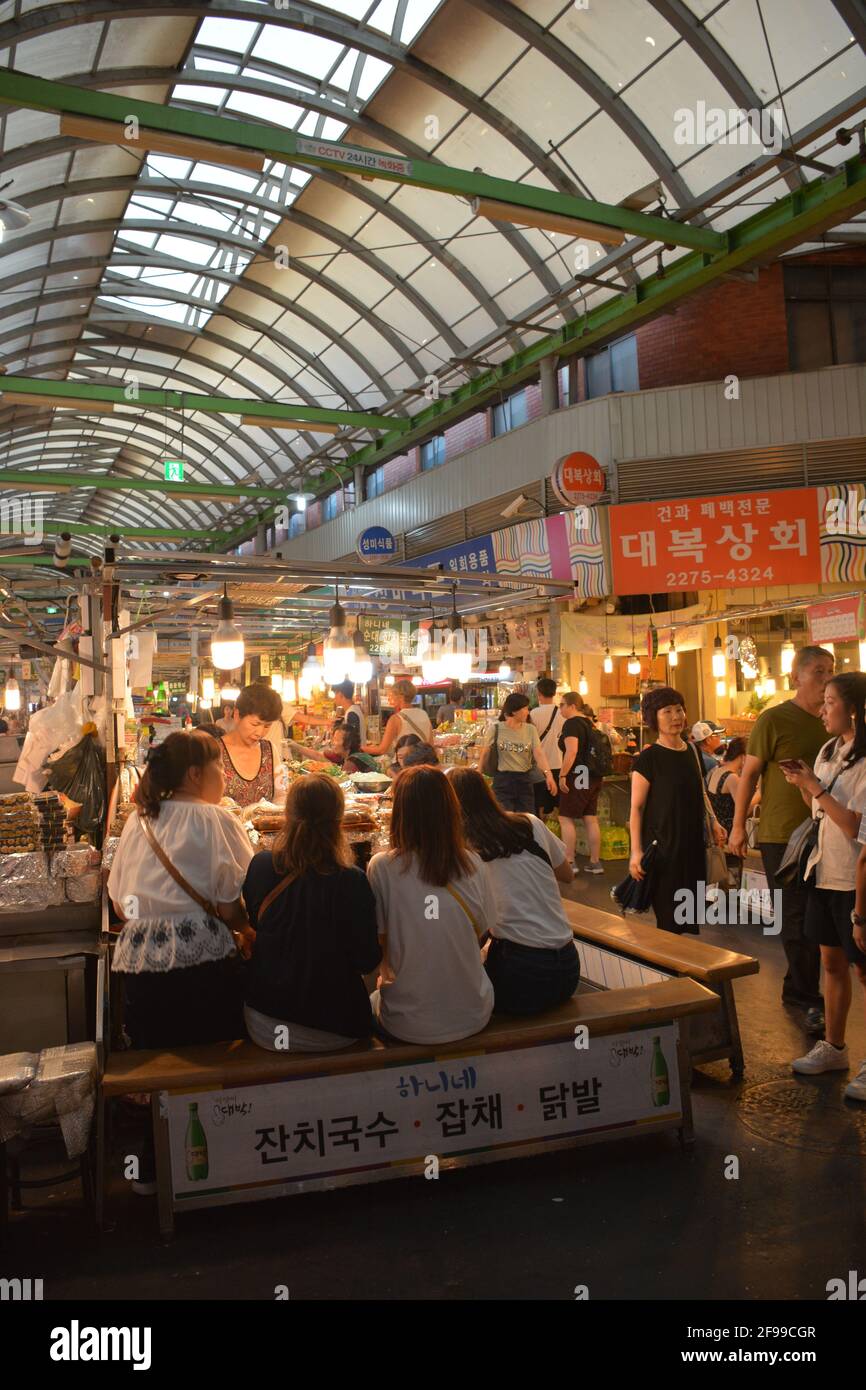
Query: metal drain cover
x: 809, y: 1113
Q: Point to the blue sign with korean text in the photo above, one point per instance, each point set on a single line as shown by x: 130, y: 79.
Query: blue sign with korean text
x: 470, y: 557
x: 376, y: 543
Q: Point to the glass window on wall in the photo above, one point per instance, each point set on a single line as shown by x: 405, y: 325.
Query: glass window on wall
x: 296, y: 524
x: 510, y: 413
x: 433, y: 452
x: 330, y: 505
x: 613, y: 369
x: 375, y: 482
x: 826, y: 312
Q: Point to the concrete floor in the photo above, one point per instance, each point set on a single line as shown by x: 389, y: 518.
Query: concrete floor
x: 631, y: 1219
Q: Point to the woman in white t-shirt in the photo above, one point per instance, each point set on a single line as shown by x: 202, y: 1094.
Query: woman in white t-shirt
x: 532, y: 960
x: 434, y: 904
x: 836, y: 794
x: 408, y: 718
x: 178, y: 955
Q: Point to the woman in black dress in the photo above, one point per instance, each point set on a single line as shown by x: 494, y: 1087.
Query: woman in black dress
x: 668, y: 804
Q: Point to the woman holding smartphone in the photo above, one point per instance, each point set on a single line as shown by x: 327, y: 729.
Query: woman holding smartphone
x: 835, y: 791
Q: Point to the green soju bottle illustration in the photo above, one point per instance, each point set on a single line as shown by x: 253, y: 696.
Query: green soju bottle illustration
x: 196, y: 1147
x: 659, y: 1081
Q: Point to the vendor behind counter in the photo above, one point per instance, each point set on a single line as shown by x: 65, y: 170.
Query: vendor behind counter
x: 248, y: 756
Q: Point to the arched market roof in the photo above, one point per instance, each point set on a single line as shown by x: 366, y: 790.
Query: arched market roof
x: 161, y: 266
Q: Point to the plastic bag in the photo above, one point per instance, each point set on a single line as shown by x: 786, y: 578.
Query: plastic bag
x: 80, y: 774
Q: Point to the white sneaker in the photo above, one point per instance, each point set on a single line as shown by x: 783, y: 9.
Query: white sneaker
x: 595, y: 868
x: 824, y: 1057
x: 856, y: 1089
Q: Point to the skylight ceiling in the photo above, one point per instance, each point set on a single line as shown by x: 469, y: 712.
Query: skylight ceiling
x: 163, y: 268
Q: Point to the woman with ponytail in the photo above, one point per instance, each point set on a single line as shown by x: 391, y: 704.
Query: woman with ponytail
x: 315, y: 920
x: 176, y: 883
x: 836, y: 794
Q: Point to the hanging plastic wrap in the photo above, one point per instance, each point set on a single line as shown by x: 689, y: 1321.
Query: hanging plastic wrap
x: 63, y: 1088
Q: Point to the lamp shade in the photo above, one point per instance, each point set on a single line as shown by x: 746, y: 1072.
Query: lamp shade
x: 338, y: 651
x: 227, y: 643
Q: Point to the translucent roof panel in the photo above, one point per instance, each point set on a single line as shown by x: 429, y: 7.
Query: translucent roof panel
x: 170, y: 267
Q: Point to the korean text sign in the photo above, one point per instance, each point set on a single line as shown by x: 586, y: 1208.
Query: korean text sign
x: 321, y: 1126
x: 735, y: 541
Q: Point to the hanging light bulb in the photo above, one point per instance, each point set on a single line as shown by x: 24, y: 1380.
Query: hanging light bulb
x: 633, y: 667
x: 607, y: 665
x: 673, y: 654
x: 721, y: 689
x: 456, y: 662
x: 829, y: 647
x: 277, y: 681
x: 312, y: 668
x: 361, y: 669
x: 208, y: 690
x: 338, y: 652
x: 389, y: 679
x: 718, y: 657
x: 431, y: 661
x: 504, y: 671
x: 769, y: 682
x: 227, y: 643
x: 229, y: 691
x: 12, y: 695
x: 787, y: 653
x: 417, y: 680
x: 290, y: 689
x: 583, y: 684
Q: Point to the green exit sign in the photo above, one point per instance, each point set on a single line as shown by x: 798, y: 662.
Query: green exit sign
x: 174, y: 470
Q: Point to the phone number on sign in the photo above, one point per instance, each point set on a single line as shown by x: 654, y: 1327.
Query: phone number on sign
x: 676, y: 579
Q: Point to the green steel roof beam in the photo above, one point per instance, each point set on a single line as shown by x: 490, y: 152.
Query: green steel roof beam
x: 156, y: 533
x: 145, y: 397
x: 38, y: 94
x: 817, y: 205
x: 36, y: 480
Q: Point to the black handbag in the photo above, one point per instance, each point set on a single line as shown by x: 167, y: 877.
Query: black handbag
x: 490, y: 756
x: 792, y: 870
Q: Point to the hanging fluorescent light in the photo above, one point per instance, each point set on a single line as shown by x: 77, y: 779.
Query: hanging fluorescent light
x: 12, y: 695
x: 338, y: 652
x: 227, y: 643
x: 633, y: 667
x: 208, y: 690
x: 673, y: 654
x: 718, y: 657
x: 607, y: 665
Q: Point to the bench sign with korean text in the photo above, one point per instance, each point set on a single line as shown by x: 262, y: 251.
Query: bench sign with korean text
x: 376, y: 543
x: 739, y: 540
x: 294, y: 1132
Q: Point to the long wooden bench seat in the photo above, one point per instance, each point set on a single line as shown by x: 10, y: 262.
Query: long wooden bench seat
x: 221, y: 1065
x: 681, y: 957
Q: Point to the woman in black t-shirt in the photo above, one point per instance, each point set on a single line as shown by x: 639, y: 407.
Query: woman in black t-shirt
x: 317, y: 938
x: 668, y: 805
x: 578, y: 793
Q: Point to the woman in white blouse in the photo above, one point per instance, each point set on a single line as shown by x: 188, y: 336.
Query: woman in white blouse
x: 434, y: 903
x: 177, y: 949
x: 836, y: 794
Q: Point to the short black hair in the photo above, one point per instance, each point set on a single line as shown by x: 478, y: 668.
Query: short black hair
x: 261, y: 701
x: 546, y: 687
x: 346, y: 688
x: 351, y: 736
x: 424, y: 755
x: 213, y: 729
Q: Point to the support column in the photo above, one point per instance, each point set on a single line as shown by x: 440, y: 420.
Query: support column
x: 555, y: 629
x: 360, y: 494
x: 261, y: 542
x: 549, y: 393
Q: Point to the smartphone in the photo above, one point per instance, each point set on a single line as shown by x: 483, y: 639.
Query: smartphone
x: 792, y: 764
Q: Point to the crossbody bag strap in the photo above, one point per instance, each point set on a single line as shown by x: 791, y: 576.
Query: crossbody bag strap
x: 209, y: 907
x: 275, y: 893
x: 458, y: 897
x: 709, y: 813
x: 550, y: 725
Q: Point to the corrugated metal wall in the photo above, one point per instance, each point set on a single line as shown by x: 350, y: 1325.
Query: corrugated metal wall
x: 784, y: 431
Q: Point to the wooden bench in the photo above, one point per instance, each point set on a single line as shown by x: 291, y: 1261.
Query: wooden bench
x: 674, y: 956
x: 628, y: 1017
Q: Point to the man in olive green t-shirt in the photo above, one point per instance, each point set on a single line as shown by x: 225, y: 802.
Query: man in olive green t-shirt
x: 790, y: 730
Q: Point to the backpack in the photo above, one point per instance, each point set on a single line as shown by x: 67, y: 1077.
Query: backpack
x: 599, y: 754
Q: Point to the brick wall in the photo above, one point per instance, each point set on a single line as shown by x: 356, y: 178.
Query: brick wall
x: 401, y: 469
x: 467, y: 434
x: 732, y: 328
x: 534, y: 404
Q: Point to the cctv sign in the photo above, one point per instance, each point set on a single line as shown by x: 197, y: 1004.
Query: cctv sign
x: 578, y: 478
